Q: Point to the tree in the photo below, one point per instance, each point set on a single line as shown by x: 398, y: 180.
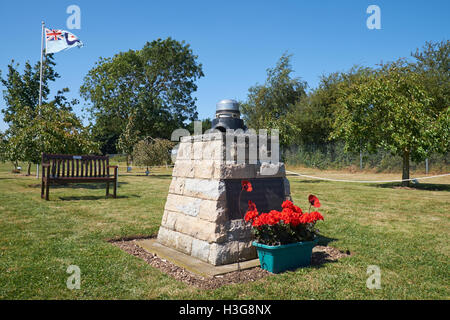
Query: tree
x: 152, y: 152
x: 22, y: 90
x: 3, y: 147
x: 433, y: 61
x: 390, y: 108
x: 269, y: 106
x: 33, y: 129
x: 313, y: 114
x: 129, y: 137
x: 154, y: 85
x: 53, y: 130
x: 206, y: 125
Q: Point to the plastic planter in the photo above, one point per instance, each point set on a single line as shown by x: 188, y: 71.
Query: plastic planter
x: 280, y: 258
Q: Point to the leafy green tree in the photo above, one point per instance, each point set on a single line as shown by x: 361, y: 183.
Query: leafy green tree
x: 129, y: 137
x: 270, y: 106
x: 390, y: 108
x: 3, y: 147
x: 53, y: 130
x: 22, y: 90
x: 154, y: 84
x: 206, y: 125
x: 152, y: 152
x: 33, y: 129
x: 433, y: 61
x: 314, y: 113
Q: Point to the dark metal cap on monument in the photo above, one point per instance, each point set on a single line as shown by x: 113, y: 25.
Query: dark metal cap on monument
x: 228, y: 116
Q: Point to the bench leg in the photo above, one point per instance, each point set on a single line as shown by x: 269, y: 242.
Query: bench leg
x: 47, y: 189
x: 42, y: 189
x: 107, y: 189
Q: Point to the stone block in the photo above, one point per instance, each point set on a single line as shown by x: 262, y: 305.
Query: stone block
x: 204, y: 169
x: 271, y: 170
x: 175, y: 240
x: 183, y: 168
x: 171, y: 219
x: 184, y: 151
x: 177, y: 185
x: 230, y: 170
x: 213, y: 211
x: 166, y: 237
x: 200, y: 249
x: 205, y: 189
x: 183, y: 204
x: 213, y: 150
x: 197, y: 148
x: 228, y: 252
x: 183, y: 243
x: 199, y: 228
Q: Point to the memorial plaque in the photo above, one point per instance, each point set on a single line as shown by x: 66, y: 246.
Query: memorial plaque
x: 267, y: 194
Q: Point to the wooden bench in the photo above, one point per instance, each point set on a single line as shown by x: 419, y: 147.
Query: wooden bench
x: 63, y: 169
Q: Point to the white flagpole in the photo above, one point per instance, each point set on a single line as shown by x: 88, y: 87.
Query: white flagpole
x: 40, y: 83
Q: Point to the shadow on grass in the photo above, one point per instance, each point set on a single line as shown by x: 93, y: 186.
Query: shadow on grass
x: 75, y: 198
x: 419, y: 186
x: 318, y: 259
x: 324, y: 241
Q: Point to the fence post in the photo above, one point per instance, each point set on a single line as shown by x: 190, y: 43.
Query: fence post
x: 426, y: 166
x: 360, y: 160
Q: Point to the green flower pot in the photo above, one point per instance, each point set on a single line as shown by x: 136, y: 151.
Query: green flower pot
x: 280, y: 258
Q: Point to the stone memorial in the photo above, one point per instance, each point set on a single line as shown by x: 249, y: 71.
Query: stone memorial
x: 203, y: 217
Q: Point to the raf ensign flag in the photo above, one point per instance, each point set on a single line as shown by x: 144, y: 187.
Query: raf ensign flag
x: 57, y: 40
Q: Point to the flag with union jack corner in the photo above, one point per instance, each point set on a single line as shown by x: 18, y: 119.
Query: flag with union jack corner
x: 57, y: 40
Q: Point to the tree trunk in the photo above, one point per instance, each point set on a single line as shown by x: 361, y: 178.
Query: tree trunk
x: 405, y: 173
x: 29, y: 169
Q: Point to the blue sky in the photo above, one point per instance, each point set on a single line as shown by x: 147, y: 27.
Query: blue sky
x: 236, y: 41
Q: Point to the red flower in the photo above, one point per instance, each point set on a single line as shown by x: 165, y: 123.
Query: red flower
x: 251, y: 216
x: 316, y: 216
x: 314, y: 201
x: 287, y: 204
x: 247, y: 186
x: 297, y: 209
x: 252, y: 212
x: 251, y: 206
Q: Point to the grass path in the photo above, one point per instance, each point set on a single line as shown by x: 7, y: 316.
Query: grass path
x: 404, y: 232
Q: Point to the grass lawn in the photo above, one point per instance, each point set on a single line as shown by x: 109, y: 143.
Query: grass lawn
x: 404, y: 232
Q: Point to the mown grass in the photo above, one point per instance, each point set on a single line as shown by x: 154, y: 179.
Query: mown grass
x: 404, y: 232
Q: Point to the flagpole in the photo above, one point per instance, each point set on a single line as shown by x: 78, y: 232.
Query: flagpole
x: 42, y: 56
x: 40, y: 83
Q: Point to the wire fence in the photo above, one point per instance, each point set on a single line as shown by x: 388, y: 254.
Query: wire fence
x: 333, y: 156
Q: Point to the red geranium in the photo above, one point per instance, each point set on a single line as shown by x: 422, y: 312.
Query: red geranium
x: 252, y: 212
x: 246, y: 186
x: 314, y: 201
x: 289, y: 225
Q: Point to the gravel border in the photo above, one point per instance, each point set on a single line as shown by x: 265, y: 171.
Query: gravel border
x: 321, y: 255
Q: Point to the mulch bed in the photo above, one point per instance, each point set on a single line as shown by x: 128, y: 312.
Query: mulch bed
x: 321, y: 255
